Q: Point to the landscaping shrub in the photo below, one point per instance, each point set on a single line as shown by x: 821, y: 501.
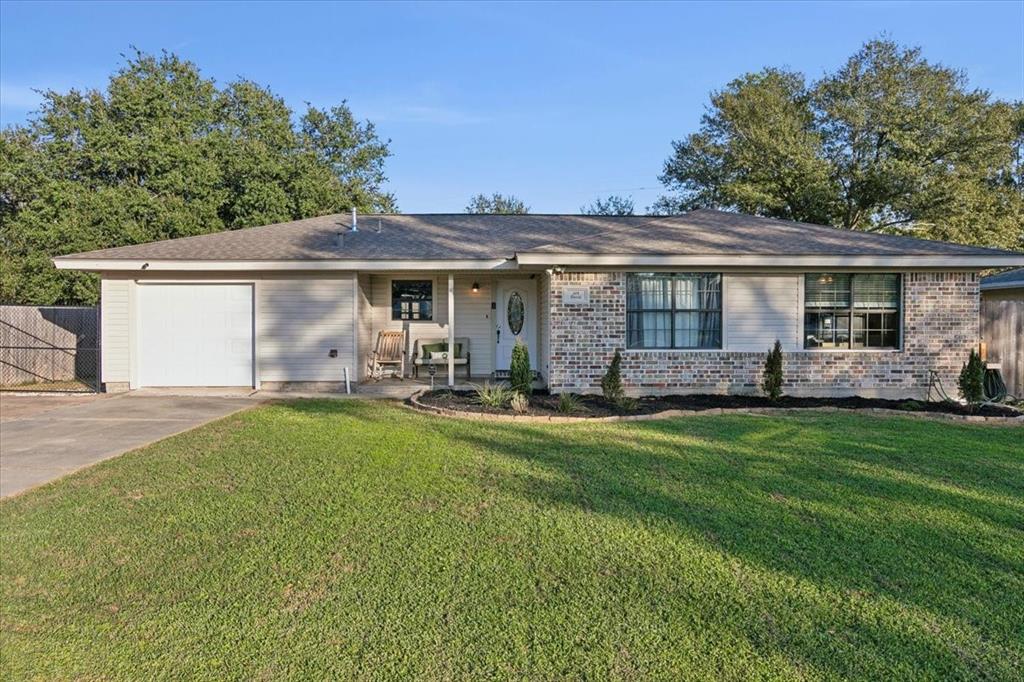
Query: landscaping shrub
x: 569, y: 403
x: 493, y: 396
x: 519, y: 403
x: 611, y: 382
x: 520, y: 374
x: 627, y: 404
x: 972, y: 381
x: 771, y: 383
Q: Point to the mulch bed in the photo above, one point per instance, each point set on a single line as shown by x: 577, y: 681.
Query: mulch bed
x: 544, y: 404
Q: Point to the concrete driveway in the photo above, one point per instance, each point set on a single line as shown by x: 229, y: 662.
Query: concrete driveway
x: 45, y: 437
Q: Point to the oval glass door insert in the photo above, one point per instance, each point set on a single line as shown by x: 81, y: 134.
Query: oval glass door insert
x: 516, y: 313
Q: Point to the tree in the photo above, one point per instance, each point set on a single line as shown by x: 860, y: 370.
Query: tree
x: 163, y: 152
x: 890, y: 143
x: 497, y: 203
x: 613, y: 205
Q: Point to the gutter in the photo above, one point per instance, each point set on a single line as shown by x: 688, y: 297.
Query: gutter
x: 773, y: 261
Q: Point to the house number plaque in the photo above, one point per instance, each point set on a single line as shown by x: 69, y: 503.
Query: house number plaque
x: 575, y: 295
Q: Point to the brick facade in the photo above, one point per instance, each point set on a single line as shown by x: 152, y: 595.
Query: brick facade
x: 940, y: 327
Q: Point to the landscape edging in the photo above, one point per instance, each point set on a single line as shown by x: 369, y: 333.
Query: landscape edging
x: 415, y: 403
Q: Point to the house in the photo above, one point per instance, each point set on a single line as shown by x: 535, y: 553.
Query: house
x: 1002, y: 326
x: 692, y: 301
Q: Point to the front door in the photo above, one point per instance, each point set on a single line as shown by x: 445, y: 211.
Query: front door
x: 515, y: 319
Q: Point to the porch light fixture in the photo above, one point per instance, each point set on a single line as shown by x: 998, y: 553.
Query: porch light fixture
x: 476, y: 287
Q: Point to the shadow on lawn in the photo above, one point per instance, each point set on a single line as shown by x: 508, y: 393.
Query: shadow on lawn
x: 849, y: 511
x: 895, y: 512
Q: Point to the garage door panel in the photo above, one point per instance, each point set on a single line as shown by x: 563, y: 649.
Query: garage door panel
x: 195, y: 335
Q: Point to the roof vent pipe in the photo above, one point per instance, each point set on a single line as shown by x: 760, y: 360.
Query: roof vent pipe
x: 355, y: 226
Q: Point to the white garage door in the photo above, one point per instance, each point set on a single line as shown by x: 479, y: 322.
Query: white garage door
x: 195, y: 335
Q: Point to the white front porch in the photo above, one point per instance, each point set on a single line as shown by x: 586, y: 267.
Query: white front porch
x: 471, y: 308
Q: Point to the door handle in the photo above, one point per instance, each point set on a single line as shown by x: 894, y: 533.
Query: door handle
x: 497, y: 332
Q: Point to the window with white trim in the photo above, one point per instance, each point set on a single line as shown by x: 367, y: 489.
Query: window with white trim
x: 844, y: 310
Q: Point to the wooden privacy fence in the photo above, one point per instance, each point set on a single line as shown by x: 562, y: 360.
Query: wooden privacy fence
x: 1002, y: 330
x: 49, y: 348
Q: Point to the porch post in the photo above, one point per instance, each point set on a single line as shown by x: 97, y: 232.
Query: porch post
x: 451, y: 330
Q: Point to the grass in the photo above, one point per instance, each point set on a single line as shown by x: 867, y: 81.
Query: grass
x: 337, y: 539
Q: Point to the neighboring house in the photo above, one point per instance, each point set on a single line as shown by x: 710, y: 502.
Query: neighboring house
x: 1002, y: 325
x: 693, y: 301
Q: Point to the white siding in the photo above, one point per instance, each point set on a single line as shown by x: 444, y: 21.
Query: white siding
x: 759, y: 309
x: 298, y: 322
x: 364, y: 320
x: 472, y: 314
x: 114, y: 329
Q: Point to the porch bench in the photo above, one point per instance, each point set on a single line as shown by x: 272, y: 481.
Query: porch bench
x: 432, y: 352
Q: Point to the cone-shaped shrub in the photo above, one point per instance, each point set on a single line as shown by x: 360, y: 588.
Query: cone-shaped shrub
x: 611, y: 382
x: 972, y: 381
x: 520, y: 374
x: 771, y: 382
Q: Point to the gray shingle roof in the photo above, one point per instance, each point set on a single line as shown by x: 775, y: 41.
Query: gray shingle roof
x: 1002, y: 280
x: 462, y: 236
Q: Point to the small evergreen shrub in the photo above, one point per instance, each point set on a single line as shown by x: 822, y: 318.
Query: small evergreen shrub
x: 496, y: 396
x: 569, y: 403
x: 911, y: 406
x: 972, y: 381
x: 611, y: 382
x: 627, y: 404
x: 519, y: 403
x: 520, y: 374
x: 771, y: 382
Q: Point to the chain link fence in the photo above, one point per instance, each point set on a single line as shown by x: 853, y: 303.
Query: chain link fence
x: 49, y: 348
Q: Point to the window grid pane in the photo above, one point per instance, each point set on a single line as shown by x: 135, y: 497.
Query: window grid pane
x: 865, y: 315
x: 670, y: 310
x: 412, y: 300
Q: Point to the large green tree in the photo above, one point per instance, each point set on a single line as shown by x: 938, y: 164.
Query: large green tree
x: 889, y: 142
x: 497, y: 203
x: 163, y: 152
x: 613, y: 205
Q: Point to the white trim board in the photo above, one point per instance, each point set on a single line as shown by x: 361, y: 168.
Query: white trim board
x: 150, y: 265
x: 769, y: 261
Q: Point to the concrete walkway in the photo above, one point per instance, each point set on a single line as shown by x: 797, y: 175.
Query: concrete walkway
x: 45, y: 437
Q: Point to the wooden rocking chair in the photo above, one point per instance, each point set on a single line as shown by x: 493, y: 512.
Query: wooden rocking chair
x: 389, y: 352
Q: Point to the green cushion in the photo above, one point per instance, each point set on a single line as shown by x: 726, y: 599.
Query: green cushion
x: 428, y: 348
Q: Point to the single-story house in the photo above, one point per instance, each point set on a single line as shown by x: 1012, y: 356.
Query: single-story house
x: 1002, y: 326
x: 692, y: 301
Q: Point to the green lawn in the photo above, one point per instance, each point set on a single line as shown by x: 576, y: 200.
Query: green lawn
x: 336, y: 539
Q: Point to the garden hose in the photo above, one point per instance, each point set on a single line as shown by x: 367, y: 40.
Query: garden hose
x: 995, y: 387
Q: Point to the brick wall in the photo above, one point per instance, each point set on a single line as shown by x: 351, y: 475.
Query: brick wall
x: 940, y: 318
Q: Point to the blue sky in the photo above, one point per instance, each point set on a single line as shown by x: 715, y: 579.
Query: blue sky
x: 556, y: 103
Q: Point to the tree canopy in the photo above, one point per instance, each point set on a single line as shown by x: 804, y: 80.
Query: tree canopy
x: 889, y: 142
x: 613, y: 205
x: 497, y: 203
x: 163, y: 152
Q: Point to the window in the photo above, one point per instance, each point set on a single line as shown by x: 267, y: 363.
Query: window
x: 674, y: 310
x: 851, y: 311
x: 412, y: 299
